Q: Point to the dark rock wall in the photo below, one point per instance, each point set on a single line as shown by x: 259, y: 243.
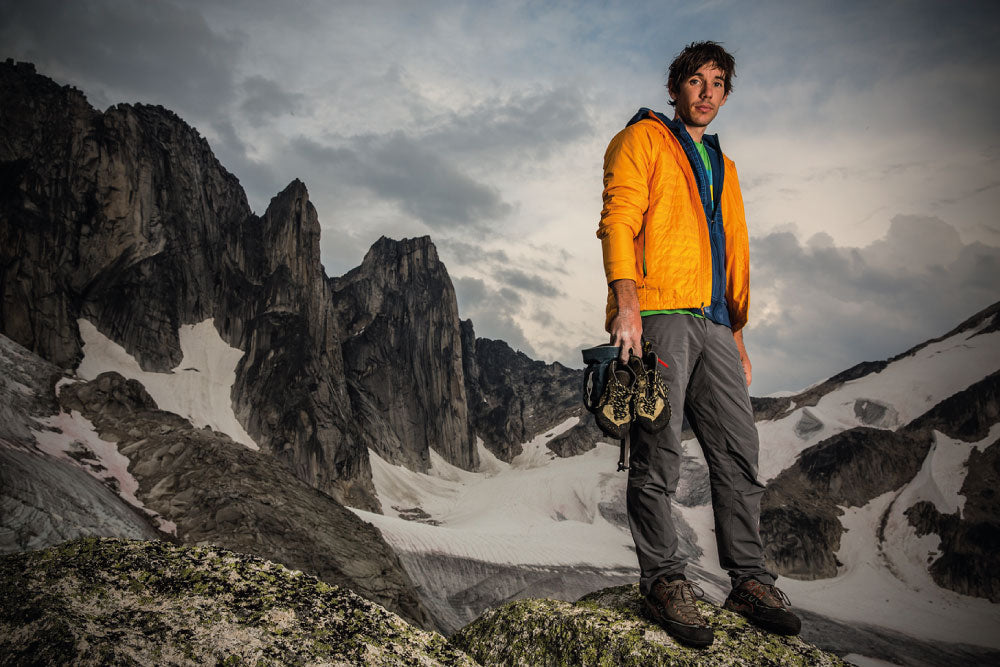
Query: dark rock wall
x: 512, y: 398
x: 127, y: 219
x: 403, y: 354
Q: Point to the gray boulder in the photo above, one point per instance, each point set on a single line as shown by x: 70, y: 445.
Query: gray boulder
x: 609, y: 628
x: 105, y: 601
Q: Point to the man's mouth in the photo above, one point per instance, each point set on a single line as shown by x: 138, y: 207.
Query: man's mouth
x: 703, y: 108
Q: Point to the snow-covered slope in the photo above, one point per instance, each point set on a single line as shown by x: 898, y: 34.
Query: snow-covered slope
x: 538, y: 526
x: 61, y: 479
x: 902, y: 391
x: 58, y: 479
x: 537, y: 510
x: 199, y: 388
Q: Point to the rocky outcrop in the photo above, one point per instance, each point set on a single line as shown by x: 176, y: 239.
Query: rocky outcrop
x: 127, y: 602
x: 579, y: 438
x: 801, y: 507
x: 970, y: 538
x: 512, y: 397
x: 609, y: 628
x: 403, y: 354
x: 218, y: 492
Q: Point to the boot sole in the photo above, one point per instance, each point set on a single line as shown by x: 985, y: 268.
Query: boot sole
x: 775, y: 627
x: 689, y: 635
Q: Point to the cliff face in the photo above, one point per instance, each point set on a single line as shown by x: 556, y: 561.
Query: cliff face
x: 126, y: 219
x: 403, y: 354
x: 511, y: 396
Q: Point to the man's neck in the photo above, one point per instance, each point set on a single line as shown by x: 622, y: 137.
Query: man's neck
x: 697, y: 132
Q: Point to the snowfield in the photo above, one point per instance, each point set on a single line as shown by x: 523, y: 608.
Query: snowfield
x: 539, y: 510
x: 906, y: 388
x: 198, y: 389
x: 72, y: 438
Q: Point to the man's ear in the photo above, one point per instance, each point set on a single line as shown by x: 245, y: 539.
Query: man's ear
x: 724, y: 98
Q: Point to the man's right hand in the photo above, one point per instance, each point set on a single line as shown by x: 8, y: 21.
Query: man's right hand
x: 626, y: 327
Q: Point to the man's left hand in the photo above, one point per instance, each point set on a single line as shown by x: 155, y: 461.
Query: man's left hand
x: 744, y: 357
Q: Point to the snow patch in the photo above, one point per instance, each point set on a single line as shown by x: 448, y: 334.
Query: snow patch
x: 909, y: 386
x: 71, y: 437
x: 943, y: 472
x: 199, y: 388
x: 62, y: 383
x: 489, y: 464
x: 887, y: 584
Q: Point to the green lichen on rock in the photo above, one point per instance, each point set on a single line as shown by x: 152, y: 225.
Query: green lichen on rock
x: 108, y: 601
x: 609, y: 628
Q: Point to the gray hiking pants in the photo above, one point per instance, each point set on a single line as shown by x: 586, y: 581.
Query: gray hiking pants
x: 706, y: 382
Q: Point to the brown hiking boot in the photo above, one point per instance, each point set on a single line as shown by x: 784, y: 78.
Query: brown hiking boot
x: 672, y: 605
x: 765, y: 605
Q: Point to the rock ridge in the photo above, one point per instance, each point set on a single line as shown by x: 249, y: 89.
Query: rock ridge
x: 107, y: 601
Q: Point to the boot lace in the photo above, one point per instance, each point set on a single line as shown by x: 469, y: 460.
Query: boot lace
x: 681, y: 595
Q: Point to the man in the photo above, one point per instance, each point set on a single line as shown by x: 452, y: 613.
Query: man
x: 675, y: 246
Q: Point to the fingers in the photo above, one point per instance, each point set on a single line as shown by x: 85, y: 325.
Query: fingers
x: 629, y: 342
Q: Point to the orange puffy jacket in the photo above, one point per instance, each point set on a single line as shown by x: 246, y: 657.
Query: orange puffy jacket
x: 653, y: 228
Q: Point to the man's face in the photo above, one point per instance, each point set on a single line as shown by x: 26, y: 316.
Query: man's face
x: 700, y: 96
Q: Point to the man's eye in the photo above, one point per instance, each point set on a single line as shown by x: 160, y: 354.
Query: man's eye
x: 718, y: 84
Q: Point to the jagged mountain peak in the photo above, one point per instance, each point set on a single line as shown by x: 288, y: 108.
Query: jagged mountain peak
x: 389, y: 247
x: 396, y: 263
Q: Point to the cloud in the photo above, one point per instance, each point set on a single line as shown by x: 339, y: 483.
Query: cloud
x: 818, y: 308
x: 424, y: 184
x: 527, y: 125
x: 527, y: 281
x: 266, y: 100
x: 156, y: 52
x: 470, y: 253
x: 492, y: 312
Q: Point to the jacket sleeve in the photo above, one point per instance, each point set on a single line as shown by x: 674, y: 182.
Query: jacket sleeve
x: 737, y: 253
x: 626, y: 198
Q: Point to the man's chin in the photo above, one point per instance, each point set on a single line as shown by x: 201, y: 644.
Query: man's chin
x: 702, y: 120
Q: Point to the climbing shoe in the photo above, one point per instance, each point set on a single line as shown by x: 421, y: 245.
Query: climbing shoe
x: 765, y: 605
x: 672, y: 606
x: 652, y: 407
x: 616, y: 407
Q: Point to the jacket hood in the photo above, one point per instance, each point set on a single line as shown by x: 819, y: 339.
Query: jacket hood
x: 675, y: 126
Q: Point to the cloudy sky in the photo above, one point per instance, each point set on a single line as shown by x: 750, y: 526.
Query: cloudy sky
x: 865, y: 135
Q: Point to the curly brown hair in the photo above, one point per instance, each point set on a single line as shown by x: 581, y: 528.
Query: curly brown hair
x: 693, y: 57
